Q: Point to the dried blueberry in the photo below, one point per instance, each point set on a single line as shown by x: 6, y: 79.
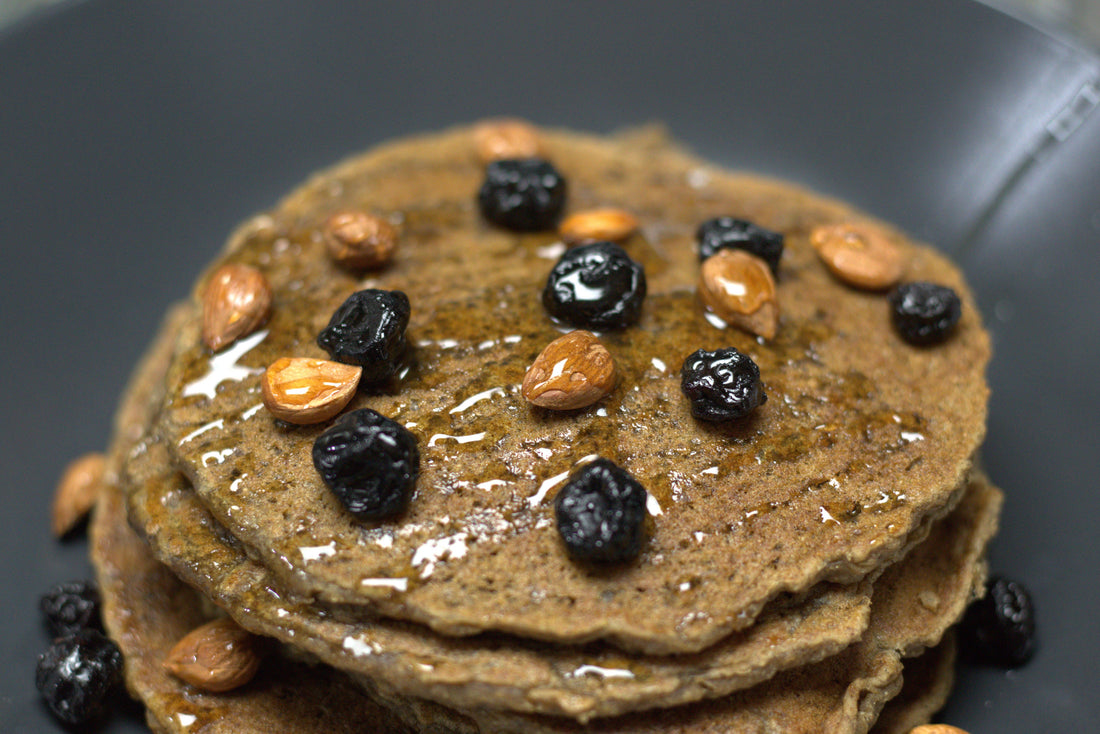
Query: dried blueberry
x: 369, y: 330
x: 1000, y: 628
x: 722, y: 385
x: 596, y: 286
x: 77, y: 674
x: 722, y: 232
x: 601, y: 513
x: 69, y: 608
x: 924, y: 313
x: 369, y: 462
x: 522, y: 194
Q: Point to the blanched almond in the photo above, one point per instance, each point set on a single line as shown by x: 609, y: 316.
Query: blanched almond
x: 598, y: 224
x: 502, y: 138
x: 76, y: 492
x: 740, y: 289
x: 218, y: 656
x: 861, y: 255
x: 236, y: 302
x: 573, y: 371
x: 304, y: 391
x: 359, y: 240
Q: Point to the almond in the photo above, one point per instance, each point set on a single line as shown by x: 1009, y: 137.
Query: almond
x: 218, y: 656
x: 936, y: 729
x: 860, y: 255
x: 594, y: 225
x: 236, y: 302
x: 359, y: 240
x: 76, y: 492
x: 506, y: 138
x: 303, y: 391
x: 740, y: 289
x: 573, y: 371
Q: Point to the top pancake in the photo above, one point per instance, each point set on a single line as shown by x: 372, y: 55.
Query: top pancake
x: 863, y: 437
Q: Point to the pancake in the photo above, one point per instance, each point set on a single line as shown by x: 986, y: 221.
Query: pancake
x: 146, y: 609
x: 487, y: 670
x: 841, y: 694
x: 926, y: 683
x: 863, y: 441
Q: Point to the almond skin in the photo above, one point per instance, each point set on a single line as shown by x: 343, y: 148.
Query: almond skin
x: 76, y: 492
x: 503, y: 138
x: 359, y: 240
x: 218, y: 656
x: 740, y: 289
x: 860, y: 255
x: 593, y: 225
x: 573, y: 371
x: 236, y: 302
x: 304, y: 391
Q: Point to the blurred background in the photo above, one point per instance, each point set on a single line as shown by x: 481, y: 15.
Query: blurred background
x: 1079, y: 19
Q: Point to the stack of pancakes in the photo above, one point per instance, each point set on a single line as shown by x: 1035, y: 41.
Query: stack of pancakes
x: 800, y: 565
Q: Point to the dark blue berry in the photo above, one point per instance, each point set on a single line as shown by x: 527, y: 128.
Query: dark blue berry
x: 1000, y: 628
x: 925, y: 313
x: 596, y: 286
x: 722, y: 232
x: 522, y: 194
x: 601, y: 514
x: 77, y: 675
x: 722, y: 385
x: 369, y: 462
x: 369, y: 330
x: 69, y: 608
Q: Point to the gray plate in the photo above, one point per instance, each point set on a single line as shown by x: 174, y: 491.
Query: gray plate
x: 134, y: 135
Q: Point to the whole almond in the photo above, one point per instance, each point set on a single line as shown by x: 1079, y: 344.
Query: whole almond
x: 573, y: 371
x: 740, y: 289
x: 236, y: 302
x: 218, y: 656
x: 860, y: 255
x: 76, y: 492
x: 936, y: 729
x: 359, y: 240
x: 593, y: 225
x: 506, y: 138
x: 304, y: 391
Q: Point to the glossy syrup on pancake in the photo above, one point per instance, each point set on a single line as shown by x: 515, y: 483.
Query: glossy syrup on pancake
x: 863, y: 439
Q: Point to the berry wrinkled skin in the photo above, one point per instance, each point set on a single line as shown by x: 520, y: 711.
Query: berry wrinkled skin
x: 601, y: 514
x: 522, y: 194
x: 77, y: 674
x: 924, y: 313
x: 71, y: 607
x: 1000, y: 627
x: 727, y: 232
x: 368, y: 329
x: 722, y: 385
x: 370, y: 463
x: 596, y: 286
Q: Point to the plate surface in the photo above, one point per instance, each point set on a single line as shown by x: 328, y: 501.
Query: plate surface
x: 134, y: 136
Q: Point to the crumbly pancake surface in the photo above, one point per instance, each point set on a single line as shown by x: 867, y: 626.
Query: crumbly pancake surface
x: 147, y: 609
x: 500, y: 671
x: 485, y: 670
x: 842, y: 694
x: 863, y: 437
x: 926, y: 682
